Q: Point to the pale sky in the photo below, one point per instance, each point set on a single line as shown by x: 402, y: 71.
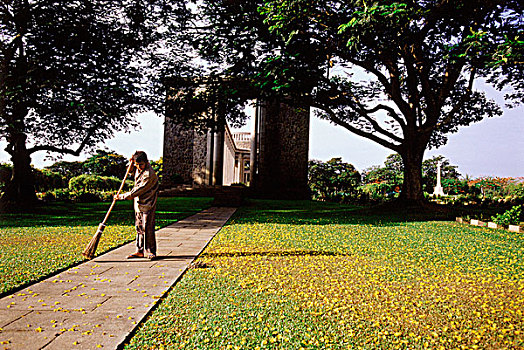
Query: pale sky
x: 493, y: 147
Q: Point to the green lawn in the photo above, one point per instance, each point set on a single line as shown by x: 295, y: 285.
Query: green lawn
x: 292, y: 275
x: 35, y: 245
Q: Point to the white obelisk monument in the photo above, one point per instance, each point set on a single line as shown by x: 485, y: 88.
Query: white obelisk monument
x: 438, y: 191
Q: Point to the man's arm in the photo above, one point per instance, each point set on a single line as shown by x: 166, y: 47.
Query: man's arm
x: 148, y: 181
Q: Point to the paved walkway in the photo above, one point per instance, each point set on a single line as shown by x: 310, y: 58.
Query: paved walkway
x: 98, y: 304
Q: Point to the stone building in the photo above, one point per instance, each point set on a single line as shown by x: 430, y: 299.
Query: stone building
x: 272, y: 160
x: 205, y: 159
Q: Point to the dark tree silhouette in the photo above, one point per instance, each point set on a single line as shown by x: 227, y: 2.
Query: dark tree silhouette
x: 71, y: 76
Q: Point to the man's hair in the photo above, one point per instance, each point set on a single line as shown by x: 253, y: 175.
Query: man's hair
x: 140, y: 157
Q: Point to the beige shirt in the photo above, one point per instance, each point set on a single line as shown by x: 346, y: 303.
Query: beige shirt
x: 145, y: 190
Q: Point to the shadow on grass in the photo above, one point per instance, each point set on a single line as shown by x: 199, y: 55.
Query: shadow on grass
x: 91, y: 214
x: 274, y: 253
x: 324, y: 213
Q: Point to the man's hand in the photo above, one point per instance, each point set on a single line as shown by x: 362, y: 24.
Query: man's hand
x: 120, y: 197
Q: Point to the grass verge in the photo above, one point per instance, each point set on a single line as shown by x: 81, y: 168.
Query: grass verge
x: 33, y: 246
x: 291, y: 275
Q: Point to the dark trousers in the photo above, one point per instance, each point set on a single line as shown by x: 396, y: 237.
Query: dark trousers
x: 145, y: 232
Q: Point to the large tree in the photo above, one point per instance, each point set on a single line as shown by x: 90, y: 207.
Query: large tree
x: 71, y: 76
x: 400, y: 73
x: 421, y: 59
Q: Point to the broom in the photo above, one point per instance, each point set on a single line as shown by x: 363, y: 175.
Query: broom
x: 90, y: 250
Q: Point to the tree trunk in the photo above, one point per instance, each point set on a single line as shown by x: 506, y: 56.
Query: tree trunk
x: 412, y: 192
x: 20, y: 190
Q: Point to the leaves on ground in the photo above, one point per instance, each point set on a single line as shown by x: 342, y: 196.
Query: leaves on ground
x: 300, y: 279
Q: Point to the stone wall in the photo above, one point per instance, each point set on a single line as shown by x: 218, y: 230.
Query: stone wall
x: 283, y: 152
x: 177, y: 154
x: 200, y: 172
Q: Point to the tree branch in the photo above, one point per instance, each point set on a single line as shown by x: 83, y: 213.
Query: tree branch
x: 459, y: 104
x: 333, y: 117
x: 365, y: 113
x: 412, y: 82
x: 396, y: 94
x: 392, y: 113
x: 392, y: 91
x: 67, y: 150
x: 422, y: 68
x: 379, y: 129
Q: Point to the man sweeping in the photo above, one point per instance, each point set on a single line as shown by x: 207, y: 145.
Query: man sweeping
x: 144, y: 194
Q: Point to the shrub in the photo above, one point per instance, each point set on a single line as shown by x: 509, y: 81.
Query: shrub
x: 515, y: 189
x: 105, y: 163
x: 88, y: 197
x: 509, y: 217
x: 379, y: 191
x: 106, y: 196
x: 46, y: 180
x: 62, y: 194
x: 158, y: 167
x: 48, y: 196
x: 93, y: 183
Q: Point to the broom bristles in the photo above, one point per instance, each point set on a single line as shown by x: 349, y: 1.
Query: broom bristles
x: 90, y: 250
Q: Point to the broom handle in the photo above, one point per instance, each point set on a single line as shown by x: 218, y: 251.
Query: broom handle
x: 119, y: 190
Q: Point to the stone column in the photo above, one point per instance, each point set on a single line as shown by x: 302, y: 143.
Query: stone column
x: 177, y: 154
x: 253, y: 155
x: 283, y: 151
x: 200, y: 170
x: 240, y: 174
x: 218, y: 158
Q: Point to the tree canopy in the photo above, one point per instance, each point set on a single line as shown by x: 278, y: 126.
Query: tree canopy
x: 72, y: 74
x: 105, y: 163
x: 400, y: 73
x: 333, y: 180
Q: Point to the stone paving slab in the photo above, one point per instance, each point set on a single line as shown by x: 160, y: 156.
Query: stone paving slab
x: 98, y: 304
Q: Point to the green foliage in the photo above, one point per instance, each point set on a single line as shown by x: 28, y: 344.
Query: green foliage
x: 384, y: 182
x: 509, y: 217
x: 491, y: 187
x: 333, y: 180
x: 93, y: 183
x: 391, y: 172
x: 429, y: 172
x: 380, y: 191
x: 46, y: 180
x: 67, y: 169
x: 56, y: 182
x: 61, y: 194
x: 105, y: 163
x: 454, y: 186
x: 515, y: 188
x: 381, y: 180
x: 158, y: 167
